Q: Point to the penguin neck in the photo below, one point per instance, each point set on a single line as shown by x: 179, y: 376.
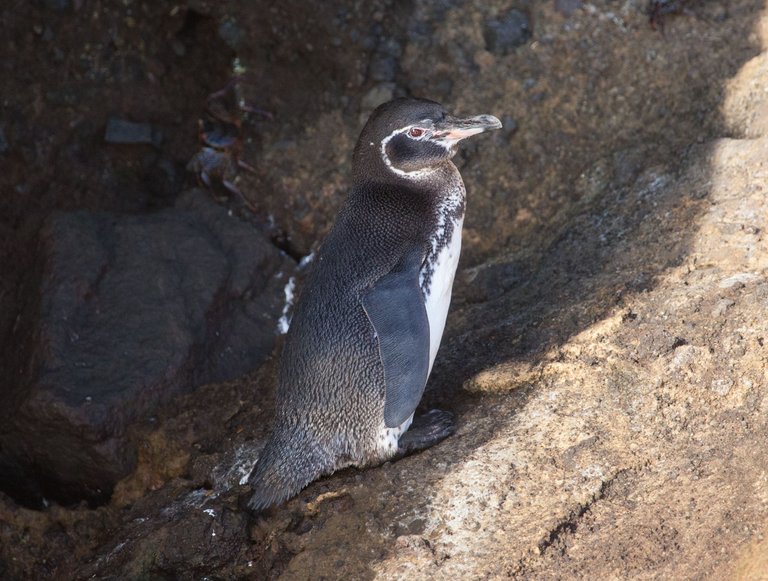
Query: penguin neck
x: 371, y: 164
x: 445, y: 234
x: 433, y: 180
x: 442, y: 190
x: 450, y: 193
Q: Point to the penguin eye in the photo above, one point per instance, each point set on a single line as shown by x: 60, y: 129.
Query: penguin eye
x: 415, y: 132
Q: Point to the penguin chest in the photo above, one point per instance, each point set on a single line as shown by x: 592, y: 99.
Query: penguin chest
x: 437, y: 282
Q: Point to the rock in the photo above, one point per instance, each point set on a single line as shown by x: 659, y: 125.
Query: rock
x: 164, y: 179
x: 568, y: 7
x: 507, y: 33
x: 740, y: 278
x: 722, y: 307
x: 178, y: 47
x: 62, y: 95
x: 60, y: 6
x: 378, y: 94
x: 592, y: 441
x: 133, y: 310
x: 120, y: 131
x: 231, y: 33
x: 382, y: 68
x: 384, y: 63
x: 193, y: 530
x: 722, y: 386
x: 509, y: 125
x: 391, y: 47
x: 4, y: 147
x: 490, y: 282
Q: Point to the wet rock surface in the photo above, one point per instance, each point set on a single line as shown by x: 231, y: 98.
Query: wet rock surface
x: 605, y: 351
x: 134, y: 309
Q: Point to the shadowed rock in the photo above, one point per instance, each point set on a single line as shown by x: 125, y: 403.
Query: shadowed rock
x: 133, y: 310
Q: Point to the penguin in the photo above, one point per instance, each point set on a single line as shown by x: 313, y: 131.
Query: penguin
x: 369, y: 320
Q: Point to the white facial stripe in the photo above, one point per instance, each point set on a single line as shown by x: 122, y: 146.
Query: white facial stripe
x: 416, y: 174
x: 428, y: 126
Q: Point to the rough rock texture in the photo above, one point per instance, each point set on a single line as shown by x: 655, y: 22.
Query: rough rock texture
x: 133, y: 310
x: 606, y: 351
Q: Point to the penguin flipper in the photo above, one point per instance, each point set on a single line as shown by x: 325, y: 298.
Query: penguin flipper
x: 395, y: 307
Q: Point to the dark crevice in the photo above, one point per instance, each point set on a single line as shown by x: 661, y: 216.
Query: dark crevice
x: 571, y: 522
x: 282, y: 241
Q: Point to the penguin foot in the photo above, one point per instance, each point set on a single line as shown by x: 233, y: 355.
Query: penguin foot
x: 425, y: 431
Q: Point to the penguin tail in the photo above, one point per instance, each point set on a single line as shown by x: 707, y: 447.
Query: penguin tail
x: 284, y: 468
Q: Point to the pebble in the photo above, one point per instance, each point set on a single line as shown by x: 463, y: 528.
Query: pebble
x: 178, y: 47
x: 722, y: 386
x: 128, y: 132
x: 507, y: 33
x: 391, y: 47
x: 509, y: 125
x: 231, y: 33
x: 741, y: 278
x: 568, y: 7
x: 721, y: 307
x: 163, y: 179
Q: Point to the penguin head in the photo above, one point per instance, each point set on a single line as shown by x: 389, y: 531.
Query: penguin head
x: 409, y: 138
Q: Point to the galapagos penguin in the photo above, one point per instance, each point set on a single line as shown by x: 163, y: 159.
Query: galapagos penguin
x: 370, y: 317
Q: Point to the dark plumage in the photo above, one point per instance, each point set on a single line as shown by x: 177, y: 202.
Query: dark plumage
x: 359, y: 350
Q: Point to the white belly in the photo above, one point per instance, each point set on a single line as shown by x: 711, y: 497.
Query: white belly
x: 438, y: 298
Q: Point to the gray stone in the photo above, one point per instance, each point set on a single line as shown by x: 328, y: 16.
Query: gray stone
x: 133, y: 310
x: 568, y: 7
x: 120, y: 131
x: 164, y: 179
x: 509, y: 125
x: 231, y: 33
x: 722, y: 386
x: 508, y: 32
x: 383, y: 67
x: 377, y: 95
x: 60, y: 6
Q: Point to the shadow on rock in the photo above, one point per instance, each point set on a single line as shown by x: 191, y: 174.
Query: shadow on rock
x: 571, y: 218
x: 591, y: 201
x: 133, y: 310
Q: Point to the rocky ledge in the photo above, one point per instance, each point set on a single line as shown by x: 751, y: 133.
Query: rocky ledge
x: 606, y: 350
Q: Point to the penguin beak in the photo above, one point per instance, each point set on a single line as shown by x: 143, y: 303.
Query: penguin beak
x: 453, y: 130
